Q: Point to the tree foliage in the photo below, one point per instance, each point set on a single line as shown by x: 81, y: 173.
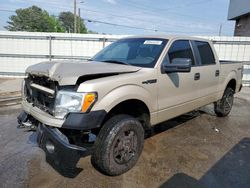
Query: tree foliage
x: 33, y: 19
x: 67, y: 21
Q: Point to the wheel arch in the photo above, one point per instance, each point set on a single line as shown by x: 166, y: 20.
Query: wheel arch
x: 133, y: 107
x: 129, y: 95
x: 232, y: 84
x: 231, y: 81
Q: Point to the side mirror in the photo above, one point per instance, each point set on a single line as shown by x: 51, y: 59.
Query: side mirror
x: 178, y: 65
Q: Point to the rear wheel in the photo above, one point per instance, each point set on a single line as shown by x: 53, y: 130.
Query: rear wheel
x: 118, y: 145
x: 223, y: 107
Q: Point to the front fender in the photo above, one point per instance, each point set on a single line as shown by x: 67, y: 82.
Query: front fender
x: 126, y: 92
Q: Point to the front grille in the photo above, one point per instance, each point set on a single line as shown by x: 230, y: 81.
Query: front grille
x: 41, y: 99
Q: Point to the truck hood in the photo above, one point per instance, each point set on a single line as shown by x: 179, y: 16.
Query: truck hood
x: 68, y: 72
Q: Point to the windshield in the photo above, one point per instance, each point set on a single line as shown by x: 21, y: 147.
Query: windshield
x: 143, y: 52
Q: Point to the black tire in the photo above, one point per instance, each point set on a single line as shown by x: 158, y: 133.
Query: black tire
x: 118, y: 145
x: 223, y: 107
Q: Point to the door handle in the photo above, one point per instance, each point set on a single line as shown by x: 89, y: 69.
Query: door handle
x: 217, y: 73
x: 197, y: 76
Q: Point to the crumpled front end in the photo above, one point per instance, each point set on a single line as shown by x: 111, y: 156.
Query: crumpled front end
x: 62, y: 139
x: 40, y: 91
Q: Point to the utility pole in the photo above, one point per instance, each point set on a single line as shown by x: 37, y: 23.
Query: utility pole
x: 74, y: 16
x: 220, y: 29
x: 79, y: 20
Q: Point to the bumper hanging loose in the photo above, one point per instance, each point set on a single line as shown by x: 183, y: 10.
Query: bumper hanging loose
x: 59, y: 152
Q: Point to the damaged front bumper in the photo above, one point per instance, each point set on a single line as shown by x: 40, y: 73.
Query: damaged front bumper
x: 41, y: 116
x: 75, y: 121
x: 60, y: 154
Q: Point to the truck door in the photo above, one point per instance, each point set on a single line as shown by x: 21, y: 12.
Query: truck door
x: 177, y: 92
x: 209, y: 71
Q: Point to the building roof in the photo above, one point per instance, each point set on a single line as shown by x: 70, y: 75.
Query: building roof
x: 238, y: 8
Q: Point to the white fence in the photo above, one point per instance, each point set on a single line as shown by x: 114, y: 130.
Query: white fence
x: 18, y: 50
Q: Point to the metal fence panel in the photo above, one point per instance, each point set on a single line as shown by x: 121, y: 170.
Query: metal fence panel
x: 18, y: 50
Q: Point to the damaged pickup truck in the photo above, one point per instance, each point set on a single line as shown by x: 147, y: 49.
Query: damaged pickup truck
x: 103, y: 106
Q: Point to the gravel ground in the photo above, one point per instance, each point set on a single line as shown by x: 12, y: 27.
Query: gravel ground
x: 198, y: 150
x: 10, y: 85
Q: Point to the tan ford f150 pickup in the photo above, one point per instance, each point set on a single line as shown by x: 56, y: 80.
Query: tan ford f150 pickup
x: 102, y: 107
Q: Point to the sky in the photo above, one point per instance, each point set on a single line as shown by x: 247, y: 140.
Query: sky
x: 133, y: 17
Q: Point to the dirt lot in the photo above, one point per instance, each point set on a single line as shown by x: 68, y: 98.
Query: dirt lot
x: 197, y: 150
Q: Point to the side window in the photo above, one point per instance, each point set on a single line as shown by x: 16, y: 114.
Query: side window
x: 206, y: 53
x: 181, y: 49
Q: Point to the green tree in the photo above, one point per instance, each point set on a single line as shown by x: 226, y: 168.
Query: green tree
x: 55, y: 24
x: 67, y: 21
x: 33, y: 19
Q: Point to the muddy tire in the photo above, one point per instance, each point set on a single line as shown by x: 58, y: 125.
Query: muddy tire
x: 223, y: 107
x: 118, y: 145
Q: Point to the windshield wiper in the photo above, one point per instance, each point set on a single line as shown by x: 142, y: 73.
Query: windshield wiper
x: 117, y: 62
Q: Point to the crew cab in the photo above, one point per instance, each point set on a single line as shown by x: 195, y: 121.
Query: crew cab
x: 102, y: 107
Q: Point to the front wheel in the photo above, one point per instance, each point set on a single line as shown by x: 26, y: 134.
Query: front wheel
x: 118, y: 145
x: 223, y: 107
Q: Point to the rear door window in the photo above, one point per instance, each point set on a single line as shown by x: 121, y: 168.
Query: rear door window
x: 206, y: 53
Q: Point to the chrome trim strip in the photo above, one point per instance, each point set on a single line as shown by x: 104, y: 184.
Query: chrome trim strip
x: 42, y: 88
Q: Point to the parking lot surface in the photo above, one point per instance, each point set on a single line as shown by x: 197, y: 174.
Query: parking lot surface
x: 194, y: 150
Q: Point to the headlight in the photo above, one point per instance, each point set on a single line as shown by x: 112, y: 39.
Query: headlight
x: 73, y: 102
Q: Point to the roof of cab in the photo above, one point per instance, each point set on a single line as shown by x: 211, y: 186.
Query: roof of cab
x: 169, y: 37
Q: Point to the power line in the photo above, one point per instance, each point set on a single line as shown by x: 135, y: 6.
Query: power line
x: 130, y: 18
x: 147, y: 21
x: 166, y: 31
x: 102, y: 22
x: 128, y: 26
x: 121, y: 25
x: 153, y: 9
x: 144, y: 7
x: 138, y: 6
x: 141, y: 7
x: 89, y: 10
x: 141, y: 20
